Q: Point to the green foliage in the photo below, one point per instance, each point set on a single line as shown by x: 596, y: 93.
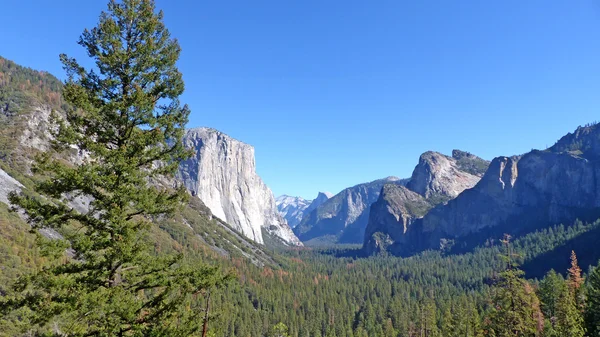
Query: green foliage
x: 127, y: 121
x: 515, y: 308
x: 304, y: 292
x: 569, y: 319
x: 592, y: 314
x: 279, y: 330
x: 472, y: 164
x: 22, y: 90
x: 549, y: 291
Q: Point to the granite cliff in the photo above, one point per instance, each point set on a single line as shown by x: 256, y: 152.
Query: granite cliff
x: 516, y: 195
x: 222, y: 173
x: 343, y: 217
x: 436, y: 179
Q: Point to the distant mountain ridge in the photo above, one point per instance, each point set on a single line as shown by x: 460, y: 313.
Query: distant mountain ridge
x: 517, y: 195
x: 343, y: 217
x: 436, y: 180
x: 292, y: 209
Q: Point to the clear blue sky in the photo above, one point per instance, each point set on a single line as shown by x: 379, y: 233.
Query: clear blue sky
x: 335, y: 93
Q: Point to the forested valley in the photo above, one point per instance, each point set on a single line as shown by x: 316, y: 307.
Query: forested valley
x: 96, y: 238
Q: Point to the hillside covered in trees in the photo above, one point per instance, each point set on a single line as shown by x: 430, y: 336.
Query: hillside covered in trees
x: 99, y: 240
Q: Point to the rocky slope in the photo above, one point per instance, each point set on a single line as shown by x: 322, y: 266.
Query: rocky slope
x: 441, y: 178
x: 391, y: 215
x: 27, y: 97
x: 516, y: 195
x: 321, y: 198
x: 222, y: 173
x: 343, y: 217
x: 7, y: 185
x: 436, y: 179
x: 292, y: 209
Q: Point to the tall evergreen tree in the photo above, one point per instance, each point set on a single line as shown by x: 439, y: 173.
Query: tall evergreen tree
x: 569, y: 319
x: 127, y: 123
x: 575, y: 282
x: 592, y: 312
x: 515, y: 308
x: 550, y: 289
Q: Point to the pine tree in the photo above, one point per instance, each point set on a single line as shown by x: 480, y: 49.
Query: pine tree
x: 279, y: 330
x: 429, y: 321
x: 592, y: 312
x: 550, y: 289
x: 569, y: 320
x: 127, y: 123
x: 515, y: 308
x: 575, y: 281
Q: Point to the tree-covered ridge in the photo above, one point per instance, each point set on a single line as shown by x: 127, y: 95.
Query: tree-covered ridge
x: 470, y: 163
x: 103, y: 277
x: 585, y: 141
x: 27, y: 96
x: 138, y: 261
x: 21, y: 87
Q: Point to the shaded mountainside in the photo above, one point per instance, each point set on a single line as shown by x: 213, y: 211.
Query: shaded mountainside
x: 343, y: 218
x: 516, y: 195
x: 436, y: 179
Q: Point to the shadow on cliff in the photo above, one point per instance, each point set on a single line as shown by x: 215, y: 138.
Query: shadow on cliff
x: 525, y: 223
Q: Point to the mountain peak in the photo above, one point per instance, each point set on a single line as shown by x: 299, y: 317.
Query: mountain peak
x: 324, y: 194
x: 442, y: 177
x: 584, y: 142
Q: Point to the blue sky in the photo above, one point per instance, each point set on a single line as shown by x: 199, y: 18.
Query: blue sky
x: 335, y: 93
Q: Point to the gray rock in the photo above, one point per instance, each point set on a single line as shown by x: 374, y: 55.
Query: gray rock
x: 517, y: 195
x: 8, y: 184
x: 391, y: 216
x: 435, y: 180
x: 293, y: 209
x: 343, y: 218
x: 222, y: 173
x: 441, y: 177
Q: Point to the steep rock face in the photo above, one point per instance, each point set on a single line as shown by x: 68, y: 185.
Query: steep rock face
x: 343, y: 217
x: 25, y: 130
x: 391, y: 215
x: 7, y: 185
x: 321, y: 198
x: 292, y: 209
x: 441, y: 177
x: 518, y: 195
x: 435, y: 180
x: 222, y: 173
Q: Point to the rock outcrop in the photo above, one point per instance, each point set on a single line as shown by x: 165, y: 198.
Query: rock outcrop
x: 435, y: 180
x: 292, y: 209
x: 222, y: 173
x: 516, y: 195
x: 343, y: 217
x: 391, y: 215
x: 321, y: 198
x: 7, y: 184
x: 441, y: 177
